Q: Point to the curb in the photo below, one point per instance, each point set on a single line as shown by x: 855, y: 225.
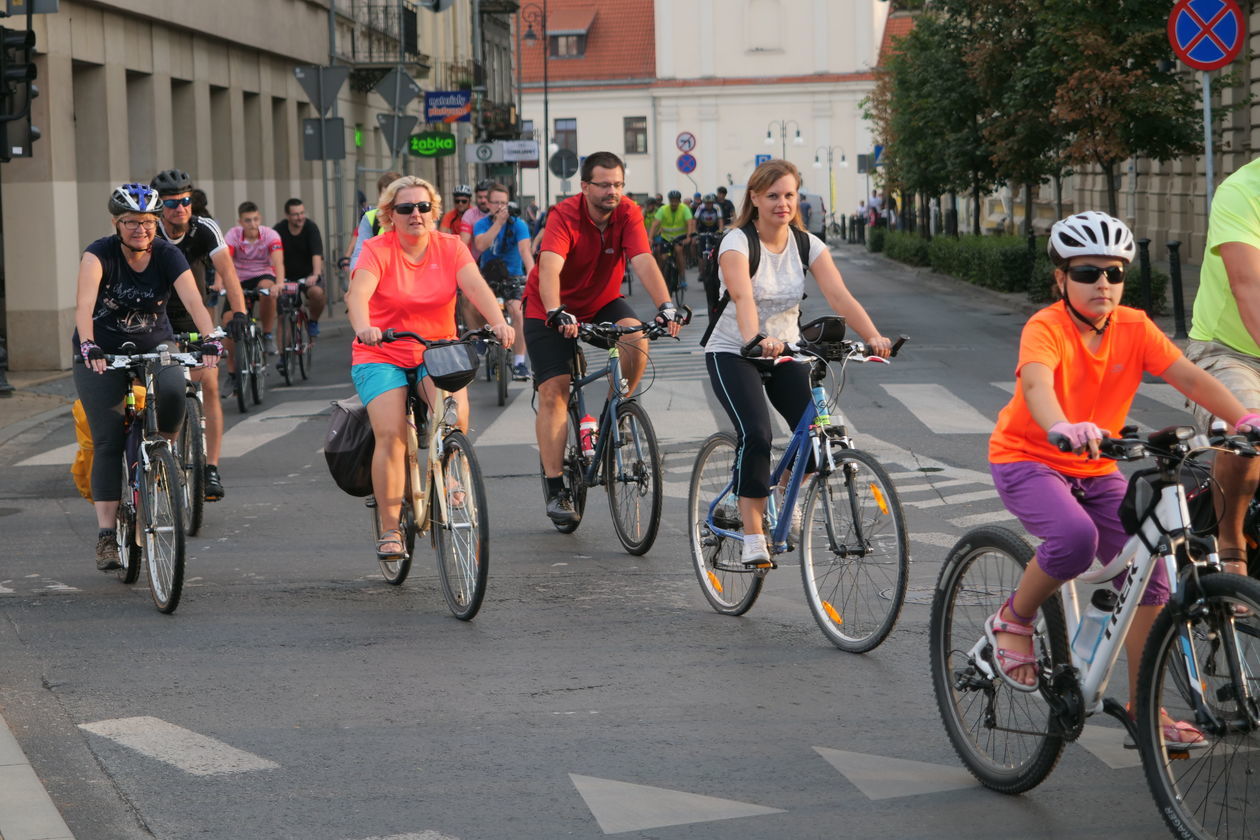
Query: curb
x: 27, y: 811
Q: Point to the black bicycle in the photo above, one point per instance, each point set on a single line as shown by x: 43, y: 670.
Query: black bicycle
x: 249, y: 358
x: 498, y: 357
x: 663, y: 249
x: 297, y: 351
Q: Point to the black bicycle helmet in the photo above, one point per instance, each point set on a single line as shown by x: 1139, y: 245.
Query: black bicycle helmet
x: 171, y: 182
x: 134, y: 198
x: 673, y: 194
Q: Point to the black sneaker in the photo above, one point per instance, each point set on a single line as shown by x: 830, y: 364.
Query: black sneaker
x: 560, y: 509
x: 107, y: 553
x: 214, y: 485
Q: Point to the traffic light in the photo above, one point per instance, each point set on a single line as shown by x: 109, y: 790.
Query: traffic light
x: 17, y: 89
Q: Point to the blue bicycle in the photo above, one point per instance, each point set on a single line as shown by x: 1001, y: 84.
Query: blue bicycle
x: 855, y: 557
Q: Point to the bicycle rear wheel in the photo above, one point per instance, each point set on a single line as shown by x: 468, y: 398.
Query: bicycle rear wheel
x: 240, y: 377
x: 571, y: 473
x: 305, y: 345
x: 396, y: 569
x: 192, y: 458
x: 502, y: 372
x: 463, y: 542
x: 288, y: 347
x: 257, y: 370
x: 129, y: 553
x: 980, y: 712
x: 163, y: 528
x: 855, y: 558
x: 1205, y: 792
x: 729, y: 586
x: 632, y: 476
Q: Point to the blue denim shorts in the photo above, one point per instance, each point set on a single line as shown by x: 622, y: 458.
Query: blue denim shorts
x: 371, y: 379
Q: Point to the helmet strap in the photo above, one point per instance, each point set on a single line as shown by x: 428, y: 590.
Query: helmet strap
x: 1098, y: 330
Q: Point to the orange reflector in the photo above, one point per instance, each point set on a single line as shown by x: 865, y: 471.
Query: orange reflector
x: 879, y: 499
x: 713, y: 581
x: 831, y: 613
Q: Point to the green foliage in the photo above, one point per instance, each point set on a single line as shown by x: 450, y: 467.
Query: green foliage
x: 909, y: 248
x: 995, y: 262
x: 875, y: 237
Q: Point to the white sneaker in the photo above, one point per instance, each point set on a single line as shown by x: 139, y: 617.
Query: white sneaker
x: 755, y: 552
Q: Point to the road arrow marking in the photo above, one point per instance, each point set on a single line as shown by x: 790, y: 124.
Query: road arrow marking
x: 880, y: 777
x: 174, y: 745
x: 622, y: 806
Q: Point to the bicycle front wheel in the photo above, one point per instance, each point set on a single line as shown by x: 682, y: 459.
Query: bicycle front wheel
x: 1002, y: 735
x: 240, y: 376
x: 129, y: 551
x: 463, y: 541
x: 855, y: 558
x: 502, y: 373
x: 729, y: 586
x: 257, y: 370
x: 632, y: 472
x: 1203, y: 792
x: 163, y: 528
x: 192, y: 458
x: 288, y: 347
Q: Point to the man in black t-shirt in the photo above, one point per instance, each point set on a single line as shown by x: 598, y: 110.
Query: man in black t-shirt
x: 728, y: 207
x: 199, y: 238
x: 303, y: 257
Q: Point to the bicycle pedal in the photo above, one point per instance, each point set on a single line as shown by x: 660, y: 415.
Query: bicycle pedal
x: 768, y: 565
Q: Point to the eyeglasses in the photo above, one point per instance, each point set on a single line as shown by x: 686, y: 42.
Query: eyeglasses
x: 135, y: 224
x: 172, y: 203
x: 412, y: 206
x: 608, y: 185
x: 459, y: 199
x: 1091, y: 273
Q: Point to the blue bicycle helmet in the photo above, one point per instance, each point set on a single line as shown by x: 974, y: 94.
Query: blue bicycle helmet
x: 134, y: 198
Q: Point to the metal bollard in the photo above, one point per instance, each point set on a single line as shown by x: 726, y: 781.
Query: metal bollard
x: 1032, y: 264
x: 1179, y: 304
x: 1144, y: 261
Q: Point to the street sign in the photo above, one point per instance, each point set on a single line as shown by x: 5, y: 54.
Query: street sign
x: 686, y: 163
x: 332, y: 146
x: 1206, y: 34
x: 864, y: 164
x: 563, y: 164
x: 398, y: 89
x: 760, y: 159
x: 432, y: 144
x: 502, y: 151
x: 686, y: 141
x: 322, y: 84
x: 879, y: 153
x: 397, y: 130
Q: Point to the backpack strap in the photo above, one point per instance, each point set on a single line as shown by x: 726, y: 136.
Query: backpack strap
x: 754, y: 259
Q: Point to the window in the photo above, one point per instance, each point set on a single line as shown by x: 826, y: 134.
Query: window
x: 636, y: 135
x: 565, y: 135
x: 568, y: 46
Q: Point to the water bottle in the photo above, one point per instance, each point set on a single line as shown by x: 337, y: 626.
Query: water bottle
x: 586, y: 435
x: 822, y: 418
x: 1093, y: 620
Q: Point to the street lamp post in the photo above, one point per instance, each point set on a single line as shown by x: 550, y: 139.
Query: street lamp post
x: 531, y: 14
x: 831, y: 172
x: 797, y: 140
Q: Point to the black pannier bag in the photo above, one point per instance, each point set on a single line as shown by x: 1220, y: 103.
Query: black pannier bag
x: 348, y: 447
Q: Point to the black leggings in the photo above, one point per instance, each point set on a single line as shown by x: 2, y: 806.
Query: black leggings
x: 103, y: 395
x: 738, y: 384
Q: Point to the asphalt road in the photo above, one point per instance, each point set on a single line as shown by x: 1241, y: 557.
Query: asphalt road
x: 296, y: 694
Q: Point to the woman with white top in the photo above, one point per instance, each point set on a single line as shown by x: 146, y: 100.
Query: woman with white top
x: 767, y: 305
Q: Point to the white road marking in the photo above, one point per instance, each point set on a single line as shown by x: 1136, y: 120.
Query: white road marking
x: 272, y: 423
x: 179, y: 747
x: 423, y: 835
x: 622, y: 806
x: 54, y: 457
x: 1107, y: 745
x: 340, y: 386
x: 940, y: 410
x: 26, y: 809
x: 878, y: 777
x: 936, y: 539
x: 982, y: 519
x: 956, y: 499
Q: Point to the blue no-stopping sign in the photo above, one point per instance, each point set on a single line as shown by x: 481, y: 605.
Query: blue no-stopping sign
x: 686, y: 164
x: 1206, y: 34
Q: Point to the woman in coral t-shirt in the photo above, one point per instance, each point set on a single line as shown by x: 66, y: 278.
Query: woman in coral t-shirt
x: 406, y: 279
x: 1080, y: 363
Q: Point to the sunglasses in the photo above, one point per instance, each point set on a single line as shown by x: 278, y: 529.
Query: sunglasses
x: 1091, y: 273
x: 412, y: 206
x: 172, y: 203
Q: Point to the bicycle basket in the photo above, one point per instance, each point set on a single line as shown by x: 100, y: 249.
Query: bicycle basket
x: 451, y: 364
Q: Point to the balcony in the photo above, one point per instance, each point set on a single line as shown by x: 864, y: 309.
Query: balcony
x: 374, y: 37
x: 500, y: 7
x: 498, y: 121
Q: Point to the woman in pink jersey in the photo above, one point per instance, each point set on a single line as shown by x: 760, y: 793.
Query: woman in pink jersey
x: 406, y: 279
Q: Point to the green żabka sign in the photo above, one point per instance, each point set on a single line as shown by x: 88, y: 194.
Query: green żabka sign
x: 432, y: 144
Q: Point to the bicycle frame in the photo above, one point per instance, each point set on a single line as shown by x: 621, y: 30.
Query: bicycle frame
x: 607, y: 431
x: 417, y: 425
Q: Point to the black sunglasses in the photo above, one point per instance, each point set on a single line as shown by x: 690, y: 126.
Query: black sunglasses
x: 411, y: 206
x: 1091, y: 273
x: 172, y: 203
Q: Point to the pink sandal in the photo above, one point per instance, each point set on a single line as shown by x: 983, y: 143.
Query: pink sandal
x: 1008, y: 660
x: 1179, y: 735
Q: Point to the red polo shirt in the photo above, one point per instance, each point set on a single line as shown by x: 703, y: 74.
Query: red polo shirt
x: 594, y: 260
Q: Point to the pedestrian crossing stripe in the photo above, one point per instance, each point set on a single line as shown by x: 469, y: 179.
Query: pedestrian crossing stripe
x: 623, y: 806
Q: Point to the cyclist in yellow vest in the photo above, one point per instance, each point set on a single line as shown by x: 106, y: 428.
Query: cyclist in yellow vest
x: 675, y: 225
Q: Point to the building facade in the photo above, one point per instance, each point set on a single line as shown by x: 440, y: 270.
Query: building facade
x: 127, y: 89
x: 653, y: 80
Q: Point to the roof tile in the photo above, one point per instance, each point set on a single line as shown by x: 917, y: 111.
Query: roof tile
x: 620, y: 43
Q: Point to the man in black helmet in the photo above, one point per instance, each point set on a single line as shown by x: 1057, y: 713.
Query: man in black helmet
x: 199, y: 238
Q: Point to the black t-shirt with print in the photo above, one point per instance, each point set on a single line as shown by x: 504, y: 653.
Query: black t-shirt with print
x: 131, y: 305
x: 202, y: 239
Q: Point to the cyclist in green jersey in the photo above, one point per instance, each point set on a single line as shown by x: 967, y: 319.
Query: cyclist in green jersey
x: 675, y: 224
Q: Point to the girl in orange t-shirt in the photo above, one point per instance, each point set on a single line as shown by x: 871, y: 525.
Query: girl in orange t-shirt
x: 1080, y: 364
x: 406, y: 279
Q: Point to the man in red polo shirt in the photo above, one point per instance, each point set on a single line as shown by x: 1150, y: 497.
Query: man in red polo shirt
x: 578, y: 278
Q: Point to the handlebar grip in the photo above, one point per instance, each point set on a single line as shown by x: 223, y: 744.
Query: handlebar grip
x: 687, y: 316
x: 388, y: 335
x: 897, y: 345
x: 1061, y: 442
x: 752, y: 349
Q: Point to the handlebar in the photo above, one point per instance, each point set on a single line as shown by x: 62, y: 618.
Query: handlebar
x: 191, y: 358
x: 1167, y: 442
x: 853, y: 350
x: 613, y: 331
x: 391, y: 334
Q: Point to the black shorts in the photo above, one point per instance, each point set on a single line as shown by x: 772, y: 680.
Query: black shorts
x: 551, y: 354
x: 252, y: 283
x: 512, y: 289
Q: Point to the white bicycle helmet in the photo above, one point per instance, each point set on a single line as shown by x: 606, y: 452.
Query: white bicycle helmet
x: 463, y: 189
x: 1090, y: 234
x: 134, y: 198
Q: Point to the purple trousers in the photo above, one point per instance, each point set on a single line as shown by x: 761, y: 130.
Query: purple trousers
x: 1077, y: 519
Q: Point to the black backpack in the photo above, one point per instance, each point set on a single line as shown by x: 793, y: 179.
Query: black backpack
x: 711, y: 283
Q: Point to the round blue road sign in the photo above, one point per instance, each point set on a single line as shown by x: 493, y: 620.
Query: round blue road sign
x: 686, y: 163
x: 1206, y: 34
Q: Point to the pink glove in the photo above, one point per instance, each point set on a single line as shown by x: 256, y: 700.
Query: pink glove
x: 1249, y: 419
x: 1079, y: 434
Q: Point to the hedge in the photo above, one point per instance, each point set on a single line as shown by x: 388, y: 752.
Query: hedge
x: 875, y: 238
